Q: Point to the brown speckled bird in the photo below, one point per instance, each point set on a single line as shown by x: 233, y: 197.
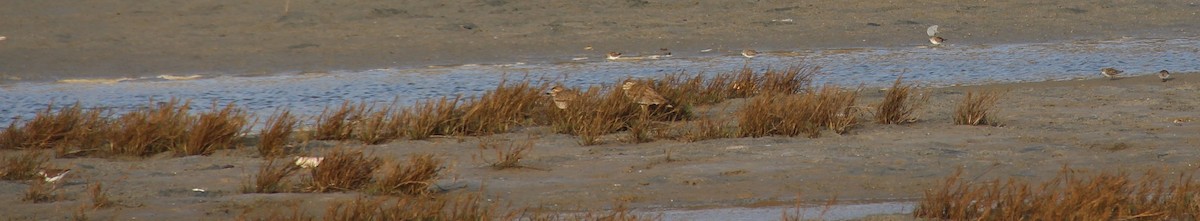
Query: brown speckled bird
x: 1164, y: 75
x: 642, y: 94
x: 561, y: 96
x: 1110, y: 73
x: 749, y: 53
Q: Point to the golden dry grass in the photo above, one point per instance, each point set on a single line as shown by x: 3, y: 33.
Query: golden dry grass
x: 23, y: 166
x: 976, y: 108
x: 796, y: 114
x: 343, y: 169
x: 379, y: 124
x: 272, y: 177
x: 430, y: 117
x: 412, y: 177
x: 1069, y: 196
x: 40, y: 191
x: 273, y: 138
x: 794, y: 79
x: 706, y: 129
x: 507, y: 156
x: 684, y: 90
x: 70, y: 127
x: 152, y: 130
x: 594, y: 113
x: 900, y: 104
x: 211, y: 131
x: 409, y: 208
x: 339, y: 123
x: 500, y: 110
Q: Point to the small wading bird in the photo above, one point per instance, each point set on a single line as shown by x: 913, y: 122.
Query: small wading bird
x: 308, y: 162
x: 561, y: 96
x: 642, y: 94
x: 613, y: 55
x: 1110, y: 73
x: 53, y: 175
x: 749, y: 53
x: 1164, y: 75
x: 933, y: 38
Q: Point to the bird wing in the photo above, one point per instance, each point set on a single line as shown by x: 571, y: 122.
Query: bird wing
x: 932, y: 30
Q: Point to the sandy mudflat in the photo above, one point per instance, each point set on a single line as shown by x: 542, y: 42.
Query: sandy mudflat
x: 1090, y: 125
x: 1093, y: 125
x: 53, y: 40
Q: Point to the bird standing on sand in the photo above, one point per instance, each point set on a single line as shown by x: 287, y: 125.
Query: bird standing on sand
x: 642, y: 94
x: 613, y: 55
x: 561, y: 96
x: 1164, y: 75
x: 933, y: 38
x: 1110, y: 73
x: 308, y: 162
x: 53, y: 175
x: 749, y: 53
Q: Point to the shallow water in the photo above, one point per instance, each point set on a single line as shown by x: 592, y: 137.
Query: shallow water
x: 308, y: 93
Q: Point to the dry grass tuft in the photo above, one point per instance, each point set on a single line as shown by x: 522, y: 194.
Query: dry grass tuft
x: 24, y: 166
x: 339, y: 124
x: 835, y: 109
x: 272, y: 177
x: 1069, y: 196
x: 69, y: 127
x: 411, y: 178
x: 639, y: 128
x: 508, y: 156
x: 40, y: 191
x: 796, y: 114
x: 795, y: 79
x: 976, y: 107
x: 684, y: 90
x: 431, y: 117
x: 214, y: 130
x: 151, y: 130
x: 594, y: 113
x: 343, y: 170
x: 900, y: 104
x: 706, y: 129
x: 379, y: 125
x: 273, y: 138
x: 407, y: 208
x: 98, y: 196
x: 499, y: 110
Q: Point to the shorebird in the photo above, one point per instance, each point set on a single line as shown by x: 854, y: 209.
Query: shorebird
x: 561, y: 96
x: 1110, y: 73
x: 613, y: 55
x: 936, y: 40
x: 749, y: 53
x: 1164, y: 75
x: 53, y: 175
x: 642, y: 94
x: 933, y: 38
x: 308, y: 162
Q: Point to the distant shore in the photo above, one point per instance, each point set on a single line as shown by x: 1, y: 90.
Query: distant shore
x: 113, y: 39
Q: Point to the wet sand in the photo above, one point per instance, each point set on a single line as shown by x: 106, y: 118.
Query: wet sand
x: 54, y: 40
x: 1090, y: 125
